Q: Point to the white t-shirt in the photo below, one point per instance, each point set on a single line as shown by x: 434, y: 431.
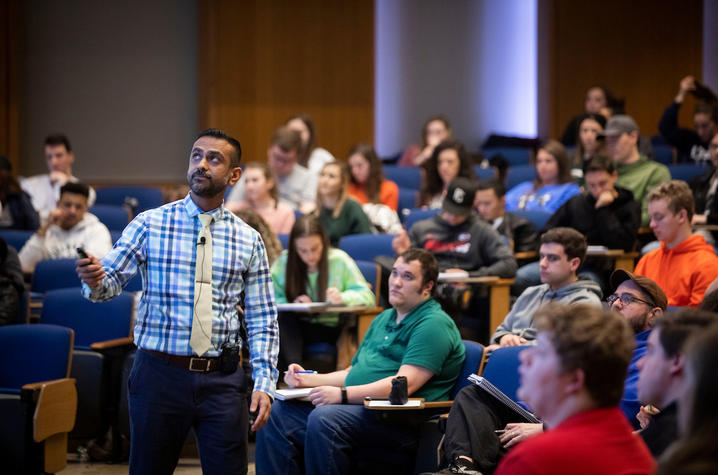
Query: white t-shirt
x: 44, y: 194
x: 89, y: 234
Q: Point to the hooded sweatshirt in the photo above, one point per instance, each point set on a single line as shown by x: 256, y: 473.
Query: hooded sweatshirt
x: 519, y: 321
x: 58, y: 243
x: 473, y: 246
x: 683, y: 272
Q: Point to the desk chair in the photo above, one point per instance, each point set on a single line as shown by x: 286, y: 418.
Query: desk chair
x: 38, y: 400
x: 513, y: 155
x: 15, y: 237
x: 418, y: 214
x: 113, y: 216
x: 366, y: 247
x: 686, y: 171
x: 102, y: 340
x: 424, y: 457
x: 136, y: 198
x: 518, y: 174
x: 537, y: 218
x: 404, y: 177
x: 408, y: 197
x: 501, y: 368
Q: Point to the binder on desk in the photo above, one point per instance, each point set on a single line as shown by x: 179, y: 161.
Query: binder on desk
x: 484, y: 384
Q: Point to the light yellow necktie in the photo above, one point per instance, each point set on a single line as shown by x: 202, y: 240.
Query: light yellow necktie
x: 201, y: 338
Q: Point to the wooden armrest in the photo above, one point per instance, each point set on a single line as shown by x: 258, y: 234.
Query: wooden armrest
x: 437, y: 404
x: 526, y: 255
x: 55, y: 408
x: 103, y: 345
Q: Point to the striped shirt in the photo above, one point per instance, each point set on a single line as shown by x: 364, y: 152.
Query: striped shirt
x: 162, y: 244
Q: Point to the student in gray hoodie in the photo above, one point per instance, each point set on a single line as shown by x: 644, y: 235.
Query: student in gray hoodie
x: 561, y: 253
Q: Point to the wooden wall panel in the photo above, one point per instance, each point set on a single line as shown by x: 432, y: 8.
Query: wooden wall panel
x: 262, y: 61
x: 9, y: 84
x: 638, y: 49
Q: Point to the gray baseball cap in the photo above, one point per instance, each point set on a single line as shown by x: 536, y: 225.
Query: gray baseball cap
x: 618, y: 125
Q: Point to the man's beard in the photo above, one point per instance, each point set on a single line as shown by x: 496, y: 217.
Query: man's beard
x: 638, y: 324
x: 208, y: 189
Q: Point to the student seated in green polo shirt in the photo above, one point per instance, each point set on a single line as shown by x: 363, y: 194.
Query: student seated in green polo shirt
x: 415, y: 339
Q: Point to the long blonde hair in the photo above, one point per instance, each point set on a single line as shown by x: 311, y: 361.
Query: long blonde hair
x: 343, y: 191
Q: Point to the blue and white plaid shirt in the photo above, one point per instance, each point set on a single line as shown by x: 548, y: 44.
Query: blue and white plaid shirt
x: 162, y: 244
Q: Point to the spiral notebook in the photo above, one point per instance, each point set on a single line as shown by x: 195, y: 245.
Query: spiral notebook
x: 484, y: 384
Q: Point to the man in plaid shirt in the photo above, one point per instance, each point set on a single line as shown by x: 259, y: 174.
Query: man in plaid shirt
x: 173, y: 386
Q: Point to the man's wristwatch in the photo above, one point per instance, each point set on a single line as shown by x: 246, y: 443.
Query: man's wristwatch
x: 345, y: 400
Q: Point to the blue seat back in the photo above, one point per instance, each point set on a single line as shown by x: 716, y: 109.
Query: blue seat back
x: 418, y: 214
x: 404, y: 177
x: 33, y: 353
x: 370, y: 271
x: 134, y: 284
x: 115, y: 235
x: 145, y: 197
x: 513, y: 155
x: 474, y: 352
x: 113, y: 216
x: 484, y: 173
x: 53, y: 274
x: 408, y: 198
x: 663, y: 153
x: 91, y: 321
x: 686, y: 171
x: 519, y: 174
x: 284, y: 239
x: 502, y: 369
x: 538, y: 218
x: 366, y: 247
x: 15, y: 237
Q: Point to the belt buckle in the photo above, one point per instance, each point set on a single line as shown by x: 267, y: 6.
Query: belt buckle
x: 200, y: 365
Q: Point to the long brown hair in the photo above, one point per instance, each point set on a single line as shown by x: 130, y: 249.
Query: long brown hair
x: 271, y: 241
x: 297, y: 279
x: 432, y: 184
x: 372, y: 187
x: 306, y: 151
x: 579, y: 156
x: 268, y: 175
x: 343, y: 191
x: 436, y: 118
x: 558, y: 152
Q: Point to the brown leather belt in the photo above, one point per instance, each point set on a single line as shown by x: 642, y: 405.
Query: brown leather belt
x: 191, y: 363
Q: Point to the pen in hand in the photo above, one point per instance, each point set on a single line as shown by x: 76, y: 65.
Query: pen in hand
x: 302, y: 372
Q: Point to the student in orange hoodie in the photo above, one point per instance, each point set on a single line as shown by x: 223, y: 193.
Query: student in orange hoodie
x: 685, y: 264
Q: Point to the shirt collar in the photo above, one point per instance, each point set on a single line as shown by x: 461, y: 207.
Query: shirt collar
x: 193, y: 210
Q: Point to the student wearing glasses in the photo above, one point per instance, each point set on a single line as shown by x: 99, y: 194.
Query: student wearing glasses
x: 472, y: 444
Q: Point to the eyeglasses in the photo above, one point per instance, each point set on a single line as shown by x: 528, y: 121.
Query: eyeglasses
x: 626, y: 299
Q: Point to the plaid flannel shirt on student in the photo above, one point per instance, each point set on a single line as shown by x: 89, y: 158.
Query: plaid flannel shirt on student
x: 162, y: 244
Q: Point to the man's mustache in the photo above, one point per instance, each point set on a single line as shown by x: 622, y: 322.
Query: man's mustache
x: 200, y: 173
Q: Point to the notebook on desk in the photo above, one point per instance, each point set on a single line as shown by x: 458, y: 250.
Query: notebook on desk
x: 294, y: 393
x: 299, y: 307
x: 484, y: 384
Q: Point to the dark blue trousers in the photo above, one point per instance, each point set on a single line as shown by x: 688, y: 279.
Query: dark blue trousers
x: 166, y: 401
x: 299, y: 438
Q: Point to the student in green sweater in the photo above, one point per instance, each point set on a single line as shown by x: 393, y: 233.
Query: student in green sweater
x: 312, y: 271
x: 635, y: 171
x: 338, y: 214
